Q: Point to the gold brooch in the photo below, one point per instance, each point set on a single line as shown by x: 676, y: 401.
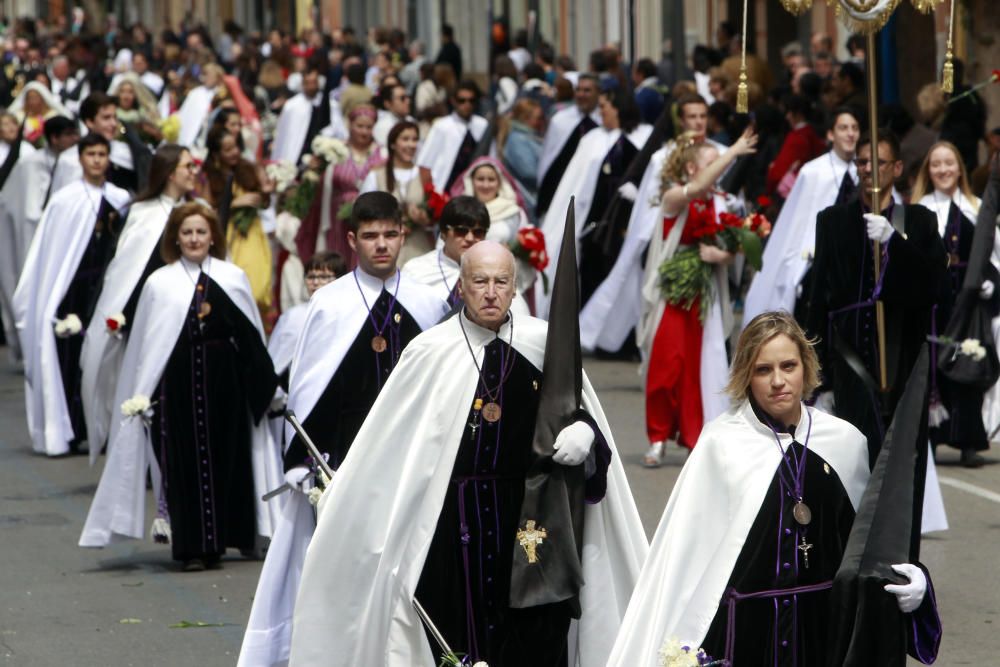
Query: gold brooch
x: 529, y: 538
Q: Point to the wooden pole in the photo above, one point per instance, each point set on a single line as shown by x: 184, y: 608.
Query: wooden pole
x: 876, y: 199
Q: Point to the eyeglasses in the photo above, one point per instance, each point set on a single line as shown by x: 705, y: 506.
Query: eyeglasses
x: 321, y: 277
x: 864, y: 162
x: 402, y: 98
x: 190, y: 166
x: 465, y: 100
x: 462, y: 231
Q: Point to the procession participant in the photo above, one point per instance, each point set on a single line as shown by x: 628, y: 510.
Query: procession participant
x: 354, y: 331
x: 447, y: 528
x: 196, y: 382
x: 56, y: 295
x: 194, y: 111
x: 448, y: 149
x: 770, y: 467
x: 488, y: 180
x: 137, y: 256
x: 565, y: 130
x: 684, y: 344
x: 842, y: 307
x: 830, y: 179
x: 325, y: 228
x: 301, y: 119
x: 397, y: 110
x: 943, y: 187
x: 400, y: 177
x: 612, y: 312
x: 33, y: 106
x: 592, y: 176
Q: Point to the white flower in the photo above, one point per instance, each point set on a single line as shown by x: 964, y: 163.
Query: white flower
x: 332, y: 151
x: 283, y: 174
x: 973, y: 348
x: 306, y: 160
x: 481, y: 663
x: 68, y: 326
x: 138, y: 405
x: 314, y: 495
x: 675, y: 654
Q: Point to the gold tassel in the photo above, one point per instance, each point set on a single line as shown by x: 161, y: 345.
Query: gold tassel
x: 743, y: 93
x: 948, y: 74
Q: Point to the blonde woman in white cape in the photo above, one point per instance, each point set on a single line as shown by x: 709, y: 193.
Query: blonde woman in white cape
x: 196, y: 381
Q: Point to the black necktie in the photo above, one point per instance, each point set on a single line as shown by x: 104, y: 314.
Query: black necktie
x: 848, y: 189
x: 463, y: 159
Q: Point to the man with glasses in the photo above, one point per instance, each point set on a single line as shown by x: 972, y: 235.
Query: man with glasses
x: 396, y: 103
x: 354, y: 331
x: 452, y: 141
x: 844, y: 290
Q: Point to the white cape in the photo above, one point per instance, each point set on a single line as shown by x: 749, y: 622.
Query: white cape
x: 355, y: 604
x: 292, y: 128
x: 12, y: 249
x: 440, y: 149
x: 329, y: 325
x: 193, y: 114
x: 101, y: 356
x: 560, y: 127
x: 56, y: 249
x: 118, y: 507
x: 705, y: 524
x: 579, y: 180
x: 791, y: 246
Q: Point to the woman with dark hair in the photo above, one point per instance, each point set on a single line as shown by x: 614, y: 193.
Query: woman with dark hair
x: 171, y: 180
x: 233, y: 184
x: 196, y: 381
x: 593, y: 176
x: 400, y: 177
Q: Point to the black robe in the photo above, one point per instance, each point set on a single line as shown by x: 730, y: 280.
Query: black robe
x: 550, y: 181
x: 342, y: 407
x: 843, y: 277
x: 465, y: 583
x: 81, y: 299
x: 964, y: 427
x: 218, y: 378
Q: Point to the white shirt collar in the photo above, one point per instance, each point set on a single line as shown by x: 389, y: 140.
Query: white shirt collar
x: 480, y: 336
x: 193, y: 269
x: 373, y: 284
x: 751, y: 417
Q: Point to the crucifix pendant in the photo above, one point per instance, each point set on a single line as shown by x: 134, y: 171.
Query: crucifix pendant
x: 804, y: 547
x: 473, y: 427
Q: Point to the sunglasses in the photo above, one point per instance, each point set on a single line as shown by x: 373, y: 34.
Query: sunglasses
x: 465, y: 100
x: 462, y: 231
x: 862, y: 163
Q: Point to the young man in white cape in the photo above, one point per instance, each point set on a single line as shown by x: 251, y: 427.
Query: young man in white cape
x: 443, y: 527
x: 56, y: 294
x: 354, y: 331
x: 830, y: 179
x: 743, y: 560
x: 137, y: 256
x: 562, y: 136
x: 197, y: 104
x: 613, y: 311
x: 302, y: 118
x: 449, y: 147
x: 195, y: 383
x: 23, y: 198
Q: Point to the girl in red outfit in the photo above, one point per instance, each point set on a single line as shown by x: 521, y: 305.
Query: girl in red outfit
x: 672, y: 335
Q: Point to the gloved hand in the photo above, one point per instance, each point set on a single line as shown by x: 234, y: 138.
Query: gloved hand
x: 279, y: 401
x: 986, y: 290
x: 879, y: 227
x: 825, y: 403
x: 909, y: 596
x: 299, y: 478
x: 573, y: 444
x: 628, y: 191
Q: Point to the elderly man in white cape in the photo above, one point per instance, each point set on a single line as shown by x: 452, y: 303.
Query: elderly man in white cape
x: 197, y: 348
x: 137, y: 256
x: 55, y: 297
x: 830, y: 179
x: 743, y: 560
x: 613, y: 312
x: 443, y: 522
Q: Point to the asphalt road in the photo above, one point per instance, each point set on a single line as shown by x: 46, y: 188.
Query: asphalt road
x: 64, y: 606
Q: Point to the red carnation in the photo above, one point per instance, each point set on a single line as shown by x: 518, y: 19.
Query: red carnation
x: 730, y: 220
x: 996, y: 75
x: 112, y: 324
x: 763, y: 201
x: 531, y: 238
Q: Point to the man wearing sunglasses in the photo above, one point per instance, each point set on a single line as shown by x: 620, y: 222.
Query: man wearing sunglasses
x: 396, y: 109
x: 452, y: 141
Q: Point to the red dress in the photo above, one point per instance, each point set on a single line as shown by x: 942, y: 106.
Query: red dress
x: 673, y: 380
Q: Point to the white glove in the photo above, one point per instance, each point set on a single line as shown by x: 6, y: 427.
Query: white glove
x: 279, y: 401
x: 909, y: 596
x: 299, y: 478
x: 879, y: 227
x: 628, y: 191
x: 573, y: 444
x: 824, y: 402
x: 986, y: 290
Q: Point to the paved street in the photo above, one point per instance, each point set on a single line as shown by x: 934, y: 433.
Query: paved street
x: 64, y: 606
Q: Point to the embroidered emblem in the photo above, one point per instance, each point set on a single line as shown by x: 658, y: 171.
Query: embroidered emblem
x: 397, y: 318
x: 529, y: 538
x: 826, y: 468
x: 534, y: 385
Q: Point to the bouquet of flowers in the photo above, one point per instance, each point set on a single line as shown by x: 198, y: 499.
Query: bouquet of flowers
x: 34, y: 131
x: 138, y: 406
x: 68, y: 326
x: 937, y: 414
x: 283, y: 173
x: 434, y: 201
x: 114, y: 324
x: 299, y: 194
x: 684, y: 278
x: 675, y: 654
x: 170, y: 127
x: 330, y: 150
x: 529, y: 246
